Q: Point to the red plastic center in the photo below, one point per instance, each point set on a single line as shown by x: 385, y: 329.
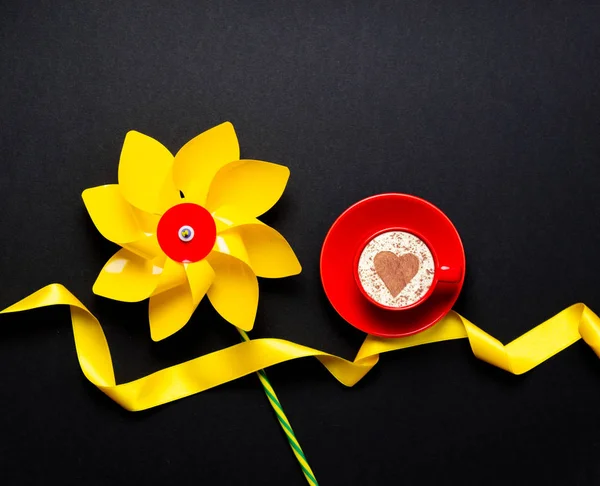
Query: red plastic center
x: 186, y: 233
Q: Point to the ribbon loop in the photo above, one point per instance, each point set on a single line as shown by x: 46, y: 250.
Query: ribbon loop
x: 219, y: 367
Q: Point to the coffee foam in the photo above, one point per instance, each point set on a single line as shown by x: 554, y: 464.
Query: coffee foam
x: 382, y: 286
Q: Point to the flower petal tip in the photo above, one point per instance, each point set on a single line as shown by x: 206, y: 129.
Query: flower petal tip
x: 160, y: 332
x: 135, y: 134
x: 254, y: 185
x: 296, y: 270
x: 144, y: 172
x: 158, y: 335
x: 126, y: 277
x: 85, y: 193
x: 92, y: 192
x: 245, y: 326
x: 169, y: 311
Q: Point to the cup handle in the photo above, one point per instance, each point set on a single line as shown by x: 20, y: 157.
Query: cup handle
x: 449, y: 274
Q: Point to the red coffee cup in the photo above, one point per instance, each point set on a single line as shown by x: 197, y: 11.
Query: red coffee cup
x: 364, y: 222
x: 451, y: 272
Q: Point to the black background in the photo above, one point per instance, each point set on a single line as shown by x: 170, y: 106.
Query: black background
x: 490, y: 110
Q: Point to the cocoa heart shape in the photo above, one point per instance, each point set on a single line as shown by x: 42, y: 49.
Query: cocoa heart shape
x: 396, y: 271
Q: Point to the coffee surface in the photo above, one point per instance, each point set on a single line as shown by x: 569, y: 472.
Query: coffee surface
x: 396, y: 269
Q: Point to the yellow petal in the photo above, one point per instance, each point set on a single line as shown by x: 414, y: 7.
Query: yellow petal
x: 200, y: 159
x: 169, y: 311
x: 227, y: 217
x: 177, y: 295
x: 231, y: 243
x: 234, y: 292
x: 126, y: 277
x: 200, y: 277
x: 112, y: 214
x: 147, y: 246
x: 145, y: 174
x: 265, y: 249
x: 147, y: 221
x: 251, y: 185
x: 269, y: 254
x: 171, y: 274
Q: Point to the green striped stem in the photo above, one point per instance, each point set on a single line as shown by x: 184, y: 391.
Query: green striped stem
x: 284, y: 422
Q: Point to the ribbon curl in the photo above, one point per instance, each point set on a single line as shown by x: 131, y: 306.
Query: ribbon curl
x: 213, y: 369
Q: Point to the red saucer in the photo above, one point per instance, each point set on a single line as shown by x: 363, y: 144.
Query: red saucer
x: 361, y: 222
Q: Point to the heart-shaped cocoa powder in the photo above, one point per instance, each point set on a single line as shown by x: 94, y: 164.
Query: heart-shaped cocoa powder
x: 396, y: 271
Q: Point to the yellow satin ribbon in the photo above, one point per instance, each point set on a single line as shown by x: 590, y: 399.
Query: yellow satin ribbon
x: 208, y: 371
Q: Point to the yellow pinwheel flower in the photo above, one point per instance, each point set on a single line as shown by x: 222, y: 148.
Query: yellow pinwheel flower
x: 187, y: 227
